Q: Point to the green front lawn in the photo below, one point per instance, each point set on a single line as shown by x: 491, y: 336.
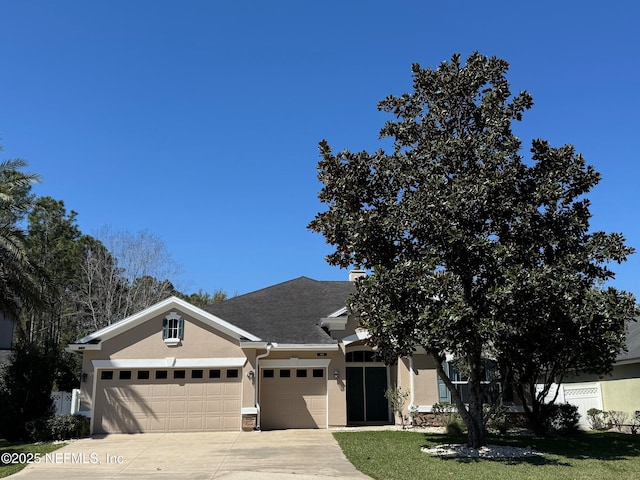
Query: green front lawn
x: 397, y: 455
x: 25, y: 448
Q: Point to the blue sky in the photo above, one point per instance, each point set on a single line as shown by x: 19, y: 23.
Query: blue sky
x: 199, y: 120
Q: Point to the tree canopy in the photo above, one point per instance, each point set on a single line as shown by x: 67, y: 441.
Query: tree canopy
x: 473, y: 251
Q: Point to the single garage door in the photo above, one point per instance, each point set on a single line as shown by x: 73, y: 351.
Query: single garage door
x: 293, y: 398
x: 168, y: 400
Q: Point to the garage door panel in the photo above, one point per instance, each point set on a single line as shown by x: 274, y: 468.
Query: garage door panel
x: 178, y: 391
x: 142, y: 391
x: 195, y: 406
x: 159, y: 407
x: 229, y: 405
x: 159, y: 390
x: 177, y: 405
x: 293, y: 402
x: 229, y: 423
x: 156, y: 425
x: 213, y: 423
x: 177, y: 424
x: 130, y: 406
x: 196, y: 389
x: 214, y: 389
x: 316, y: 404
x: 195, y: 423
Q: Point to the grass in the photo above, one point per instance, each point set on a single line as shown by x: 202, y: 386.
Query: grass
x: 27, y: 448
x: 397, y: 455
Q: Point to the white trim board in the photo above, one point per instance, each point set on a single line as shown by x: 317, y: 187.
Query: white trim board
x: 295, y: 362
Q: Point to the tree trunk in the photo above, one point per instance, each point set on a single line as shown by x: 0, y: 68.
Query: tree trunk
x: 477, y: 430
x: 472, y: 416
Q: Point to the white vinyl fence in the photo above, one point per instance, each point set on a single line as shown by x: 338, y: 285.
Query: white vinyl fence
x: 66, y: 402
x: 582, y: 395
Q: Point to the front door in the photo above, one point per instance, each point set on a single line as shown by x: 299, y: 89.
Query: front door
x: 365, y: 394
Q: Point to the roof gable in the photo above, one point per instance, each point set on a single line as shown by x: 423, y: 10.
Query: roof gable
x: 164, y: 306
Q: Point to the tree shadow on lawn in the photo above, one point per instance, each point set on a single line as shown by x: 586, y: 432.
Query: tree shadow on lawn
x: 536, y: 461
x: 607, y: 446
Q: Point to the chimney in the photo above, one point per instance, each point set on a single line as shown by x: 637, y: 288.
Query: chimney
x: 356, y: 273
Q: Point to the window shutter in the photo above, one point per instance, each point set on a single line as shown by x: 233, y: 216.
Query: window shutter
x: 444, y: 395
x: 181, y: 328
x: 165, y: 324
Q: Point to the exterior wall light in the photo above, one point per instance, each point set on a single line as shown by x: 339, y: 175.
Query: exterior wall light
x: 336, y: 374
x: 251, y: 374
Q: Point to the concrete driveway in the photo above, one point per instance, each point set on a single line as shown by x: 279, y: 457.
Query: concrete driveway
x: 299, y: 454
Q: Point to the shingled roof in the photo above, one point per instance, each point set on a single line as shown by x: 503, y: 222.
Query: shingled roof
x: 286, y: 313
x: 633, y: 343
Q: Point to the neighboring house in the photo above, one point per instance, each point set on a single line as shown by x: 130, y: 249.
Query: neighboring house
x: 7, y: 326
x: 618, y: 391
x: 286, y: 356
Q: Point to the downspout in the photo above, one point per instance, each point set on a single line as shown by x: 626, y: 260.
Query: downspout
x: 411, y: 385
x: 257, y: 393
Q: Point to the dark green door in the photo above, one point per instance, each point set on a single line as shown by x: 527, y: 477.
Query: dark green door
x: 375, y: 380
x: 355, y: 394
x: 365, y: 394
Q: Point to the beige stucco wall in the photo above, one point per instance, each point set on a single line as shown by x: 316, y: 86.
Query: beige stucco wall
x: 425, y: 380
x: 425, y: 386
x: 249, y: 384
x: 145, y: 341
x: 621, y: 390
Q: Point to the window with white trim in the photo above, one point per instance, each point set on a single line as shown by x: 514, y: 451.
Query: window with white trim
x: 461, y: 382
x: 172, y: 329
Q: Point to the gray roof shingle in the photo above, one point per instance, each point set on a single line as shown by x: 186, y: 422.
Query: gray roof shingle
x: 632, y: 344
x: 288, y: 312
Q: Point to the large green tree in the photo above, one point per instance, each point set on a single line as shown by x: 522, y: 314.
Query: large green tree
x: 459, y: 232
x: 52, y: 240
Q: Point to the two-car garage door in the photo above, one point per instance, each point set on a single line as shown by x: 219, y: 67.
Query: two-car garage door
x: 167, y: 400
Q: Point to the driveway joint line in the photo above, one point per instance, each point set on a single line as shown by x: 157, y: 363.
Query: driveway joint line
x: 141, y: 452
x: 226, y: 455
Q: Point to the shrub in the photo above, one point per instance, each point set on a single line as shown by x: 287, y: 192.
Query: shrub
x: 447, y: 416
x: 455, y: 426
x: 413, y: 414
x: 64, y: 427
x: 38, y: 430
x: 635, y: 423
x: 561, y: 418
x: 58, y: 427
x: 616, y: 418
x: 25, y: 389
x: 499, y: 419
x: 596, y: 419
x: 397, y: 398
x: 444, y: 412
